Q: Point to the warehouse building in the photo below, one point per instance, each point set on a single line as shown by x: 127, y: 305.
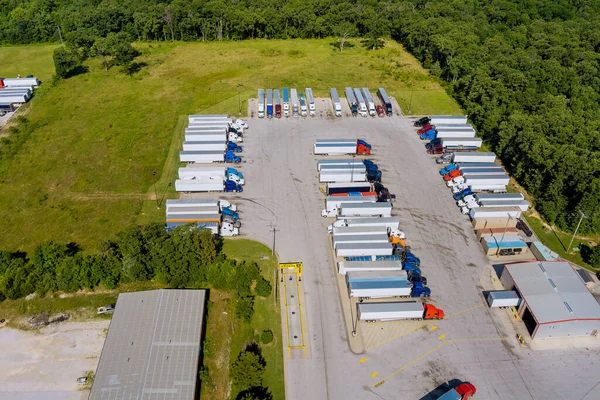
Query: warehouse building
x: 556, y: 303
x: 153, y: 347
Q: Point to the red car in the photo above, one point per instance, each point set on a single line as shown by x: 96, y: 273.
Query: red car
x: 380, y: 111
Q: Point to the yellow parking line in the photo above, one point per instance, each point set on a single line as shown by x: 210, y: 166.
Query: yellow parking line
x: 464, y: 311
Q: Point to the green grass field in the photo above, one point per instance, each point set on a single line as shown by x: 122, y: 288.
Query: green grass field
x: 34, y: 59
x: 99, y: 142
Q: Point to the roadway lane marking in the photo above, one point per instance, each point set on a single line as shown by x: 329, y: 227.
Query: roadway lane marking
x: 442, y: 337
x: 374, y: 374
x: 464, y: 311
x: 433, y: 328
x: 439, y: 346
x: 362, y: 360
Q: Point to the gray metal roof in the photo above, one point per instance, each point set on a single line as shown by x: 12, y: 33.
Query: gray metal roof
x: 153, y: 346
x: 553, y: 291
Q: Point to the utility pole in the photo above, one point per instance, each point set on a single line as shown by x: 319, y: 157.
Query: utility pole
x: 503, y: 234
x: 60, y: 36
x: 576, y: 229
x: 274, y: 230
x: 410, y: 104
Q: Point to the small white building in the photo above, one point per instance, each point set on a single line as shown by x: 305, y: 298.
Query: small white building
x: 556, y: 303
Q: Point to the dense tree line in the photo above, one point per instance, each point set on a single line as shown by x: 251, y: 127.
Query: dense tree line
x: 30, y: 21
x: 185, y: 257
x: 527, y: 72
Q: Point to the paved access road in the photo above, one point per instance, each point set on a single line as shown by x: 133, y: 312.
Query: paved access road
x: 408, y: 362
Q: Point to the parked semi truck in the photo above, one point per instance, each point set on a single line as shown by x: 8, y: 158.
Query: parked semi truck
x: 286, y: 102
x: 261, y: 103
x: 346, y: 187
x: 473, y: 157
x: 204, y: 157
x: 211, y: 146
x: 295, y: 104
x: 447, y: 133
x: 333, y: 204
x: 366, y: 209
x: 208, y: 185
x: 346, y: 168
x: 427, y: 127
x: 390, y: 222
x: 172, y: 204
x: 339, y: 161
x: 441, y: 119
x: 342, y: 177
x: 479, y: 179
x: 341, y: 146
x: 303, y: 106
x: 394, y: 311
x: 310, y: 99
x: 346, y: 267
x: 364, y: 249
x: 452, y: 143
x: 359, y: 239
x: 352, y: 102
x: 362, y: 104
x: 385, y: 288
x: 369, y: 100
x: 270, y: 103
x: 359, y: 230
x: 385, y: 101
x: 205, y: 173
x: 335, y: 102
x: 464, y: 391
x: 210, y: 136
x: 495, y: 212
x: 398, y: 275
x: 277, y: 103
x: 499, y: 196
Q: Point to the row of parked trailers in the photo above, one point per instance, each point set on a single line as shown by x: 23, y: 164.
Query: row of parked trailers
x: 273, y: 103
x: 210, y: 139
x: 478, y: 183
x: 372, y: 252
x: 15, y: 91
x: 217, y: 215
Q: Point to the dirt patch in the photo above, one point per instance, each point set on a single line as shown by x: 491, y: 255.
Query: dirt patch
x: 50, y: 359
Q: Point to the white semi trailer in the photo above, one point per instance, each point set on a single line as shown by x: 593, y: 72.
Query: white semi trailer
x: 335, y: 102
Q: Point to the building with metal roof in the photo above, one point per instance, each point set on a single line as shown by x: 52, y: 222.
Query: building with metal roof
x: 152, y: 350
x: 556, y: 303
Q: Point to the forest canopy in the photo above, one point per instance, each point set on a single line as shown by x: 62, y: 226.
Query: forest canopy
x: 527, y: 72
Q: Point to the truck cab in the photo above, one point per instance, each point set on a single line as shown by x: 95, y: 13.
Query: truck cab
x: 448, y: 168
x: 431, y: 312
x: 303, y: 108
x: 422, y: 121
x: 463, y: 193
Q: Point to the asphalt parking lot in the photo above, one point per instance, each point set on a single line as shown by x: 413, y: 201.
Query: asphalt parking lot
x: 402, y: 360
